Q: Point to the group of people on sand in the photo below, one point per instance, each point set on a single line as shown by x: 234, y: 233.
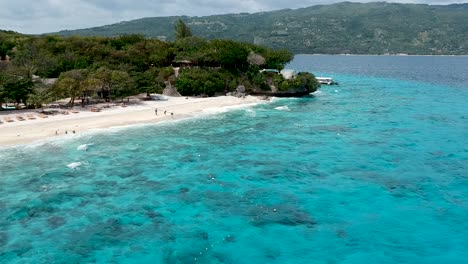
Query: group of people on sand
x: 66, y: 132
x: 165, y: 112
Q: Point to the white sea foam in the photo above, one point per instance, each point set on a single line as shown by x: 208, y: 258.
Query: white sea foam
x: 319, y: 93
x: 280, y: 99
x: 39, y: 143
x: 224, y: 109
x: 208, y: 112
x: 74, y: 165
x: 283, y: 108
x: 251, y: 112
x: 84, y: 147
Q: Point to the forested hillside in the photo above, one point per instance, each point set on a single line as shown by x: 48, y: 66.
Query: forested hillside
x: 372, y: 28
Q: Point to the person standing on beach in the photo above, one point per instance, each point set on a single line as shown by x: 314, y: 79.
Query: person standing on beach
x: 156, y: 111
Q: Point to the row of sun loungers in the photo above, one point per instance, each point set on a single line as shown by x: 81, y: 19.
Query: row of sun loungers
x: 22, y: 118
x: 42, y: 115
x: 9, y: 119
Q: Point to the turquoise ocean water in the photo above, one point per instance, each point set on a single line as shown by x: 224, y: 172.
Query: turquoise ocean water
x: 374, y: 170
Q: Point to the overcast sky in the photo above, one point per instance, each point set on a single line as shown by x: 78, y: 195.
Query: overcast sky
x: 41, y: 16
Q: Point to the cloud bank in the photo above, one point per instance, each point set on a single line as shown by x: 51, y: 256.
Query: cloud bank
x: 40, y: 16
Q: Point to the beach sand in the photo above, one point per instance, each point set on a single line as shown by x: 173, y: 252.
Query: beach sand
x: 61, y: 125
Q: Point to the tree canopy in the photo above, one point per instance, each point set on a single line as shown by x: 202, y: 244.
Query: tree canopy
x: 116, y: 67
x: 182, y: 31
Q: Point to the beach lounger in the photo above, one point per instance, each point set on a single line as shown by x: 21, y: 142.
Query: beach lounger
x: 8, y: 119
x: 20, y: 118
x: 41, y: 115
x: 65, y: 112
x: 74, y: 111
x: 31, y: 116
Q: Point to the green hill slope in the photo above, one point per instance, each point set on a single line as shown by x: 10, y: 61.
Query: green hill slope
x: 372, y: 28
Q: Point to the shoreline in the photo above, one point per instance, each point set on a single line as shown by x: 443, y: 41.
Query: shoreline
x: 61, y: 126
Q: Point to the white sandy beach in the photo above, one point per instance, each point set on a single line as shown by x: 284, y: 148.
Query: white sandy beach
x: 31, y: 130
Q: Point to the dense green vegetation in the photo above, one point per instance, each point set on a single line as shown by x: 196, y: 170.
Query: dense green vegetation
x: 117, y: 67
x: 371, y: 28
x: 8, y: 40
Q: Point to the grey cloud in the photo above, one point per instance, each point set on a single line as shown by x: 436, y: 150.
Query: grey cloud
x: 41, y: 16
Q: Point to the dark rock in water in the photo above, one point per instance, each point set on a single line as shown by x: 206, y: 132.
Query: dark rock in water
x: 103, y: 194
x: 230, y: 238
x: 271, y: 254
x: 56, y: 221
x: 84, y: 203
x: 3, y: 239
x: 190, y: 254
x: 114, y: 225
x: 20, y: 249
x: 332, y: 128
x: 184, y: 190
x: 37, y: 232
x: 85, y: 241
x: 283, y: 215
x: 40, y: 211
x: 26, y: 213
x: 188, y: 158
x: 140, y: 180
x: 126, y: 174
x: 105, y: 183
x: 152, y: 214
x: 137, y: 248
x: 168, y: 236
x: 154, y: 185
x: 202, y: 235
x: 188, y: 198
x: 220, y: 258
x: 341, y: 233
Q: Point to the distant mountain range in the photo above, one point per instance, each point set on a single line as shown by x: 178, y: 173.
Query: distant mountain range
x: 355, y: 28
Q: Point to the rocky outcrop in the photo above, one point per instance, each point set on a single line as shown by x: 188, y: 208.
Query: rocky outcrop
x: 239, y: 92
x: 170, y: 91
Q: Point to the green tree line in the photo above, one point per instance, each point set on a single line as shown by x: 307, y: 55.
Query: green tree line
x: 117, y: 67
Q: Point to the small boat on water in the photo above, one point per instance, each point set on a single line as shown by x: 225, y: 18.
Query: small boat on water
x: 326, y: 80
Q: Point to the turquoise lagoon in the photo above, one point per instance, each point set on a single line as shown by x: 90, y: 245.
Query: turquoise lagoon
x: 374, y: 170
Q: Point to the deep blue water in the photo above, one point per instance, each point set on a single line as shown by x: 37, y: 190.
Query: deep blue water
x: 443, y: 70
x: 374, y: 170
